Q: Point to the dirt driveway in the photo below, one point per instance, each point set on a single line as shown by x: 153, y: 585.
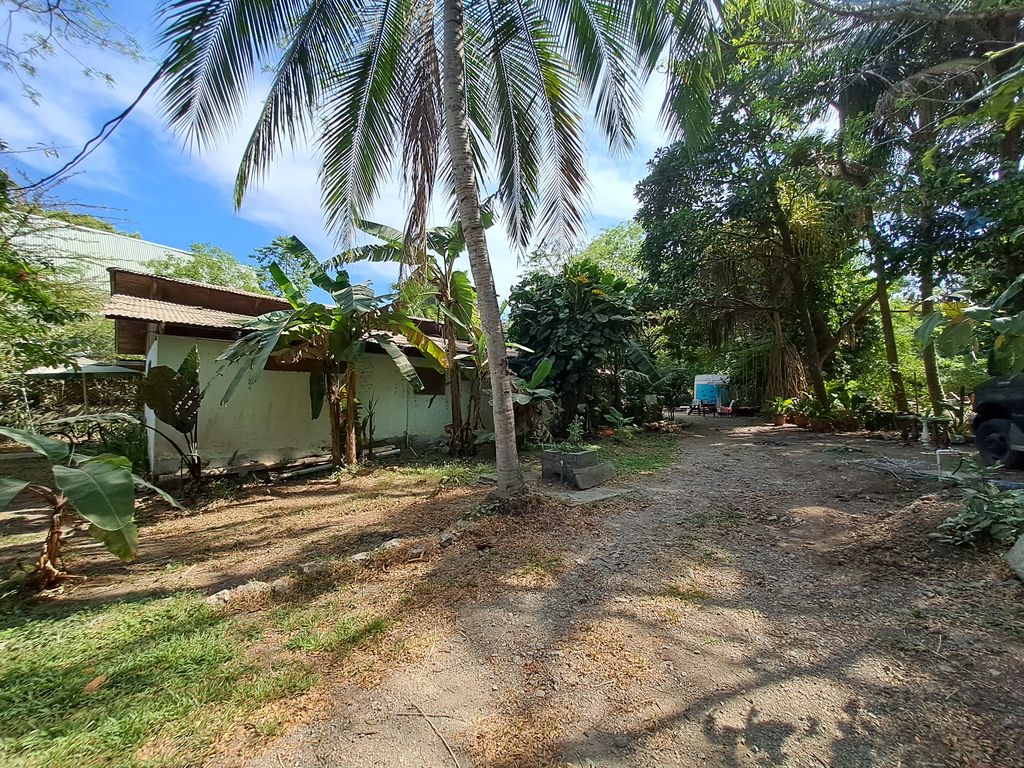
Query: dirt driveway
x: 768, y: 601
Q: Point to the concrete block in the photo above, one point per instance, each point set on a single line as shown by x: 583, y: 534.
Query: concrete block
x: 554, y: 463
x: 587, y: 477
x: 1015, y: 557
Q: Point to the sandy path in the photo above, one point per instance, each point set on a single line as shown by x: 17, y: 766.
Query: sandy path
x: 765, y: 602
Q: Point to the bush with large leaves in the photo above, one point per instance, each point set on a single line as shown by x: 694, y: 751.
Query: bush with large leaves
x: 175, y: 397
x: 580, y: 318
x: 101, y: 489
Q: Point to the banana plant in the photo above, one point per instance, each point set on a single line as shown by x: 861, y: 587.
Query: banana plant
x: 333, y: 339
x: 960, y: 326
x: 101, y: 489
x: 449, y: 291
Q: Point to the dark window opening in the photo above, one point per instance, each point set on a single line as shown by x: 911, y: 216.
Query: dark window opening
x: 434, y: 382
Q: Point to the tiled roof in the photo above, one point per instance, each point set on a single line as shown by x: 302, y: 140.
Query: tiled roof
x: 151, y: 310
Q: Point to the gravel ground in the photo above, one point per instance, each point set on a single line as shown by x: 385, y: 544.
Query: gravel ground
x: 767, y: 601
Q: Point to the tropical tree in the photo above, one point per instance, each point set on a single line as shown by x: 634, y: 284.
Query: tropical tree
x: 453, y: 83
x: 332, y: 338
x: 208, y: 264
x: 575, y: 322
x: 440, y: 285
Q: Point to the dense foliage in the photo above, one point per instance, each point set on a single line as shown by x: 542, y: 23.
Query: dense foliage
x: 209, y: 264
x: 583, y: 318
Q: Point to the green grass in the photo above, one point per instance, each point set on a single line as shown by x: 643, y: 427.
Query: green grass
x: 327, y: 629
x: 175, y: 672
x: 646, y: 452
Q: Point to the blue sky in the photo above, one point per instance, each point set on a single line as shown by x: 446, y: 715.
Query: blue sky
x: 145, y: 180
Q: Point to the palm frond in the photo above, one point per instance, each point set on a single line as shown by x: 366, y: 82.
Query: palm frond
x: 605, y: 41
x: 322, y: 36
x: 422, y: 127
x: 538, y: 129
x: 215, y: 46
x: 359, y: 130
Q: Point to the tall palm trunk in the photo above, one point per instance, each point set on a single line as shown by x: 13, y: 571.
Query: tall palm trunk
x: 467, y: 194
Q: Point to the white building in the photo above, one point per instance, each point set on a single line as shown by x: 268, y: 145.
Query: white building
x: 270, y: 423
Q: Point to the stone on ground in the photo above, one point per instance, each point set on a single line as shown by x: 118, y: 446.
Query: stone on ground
x: 1015, y: 557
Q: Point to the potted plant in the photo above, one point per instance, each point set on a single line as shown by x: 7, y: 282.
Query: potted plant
x: 779, y: 409
x: 569, y: 454
x: 820, y: 416
x: 799, y: 412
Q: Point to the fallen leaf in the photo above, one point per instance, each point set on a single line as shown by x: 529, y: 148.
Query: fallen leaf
x: 95, y: 683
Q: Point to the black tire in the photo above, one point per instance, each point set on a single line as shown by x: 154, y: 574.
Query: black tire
x: 992, y: 438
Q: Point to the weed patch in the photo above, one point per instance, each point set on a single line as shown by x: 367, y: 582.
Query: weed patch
x: 648, y: 452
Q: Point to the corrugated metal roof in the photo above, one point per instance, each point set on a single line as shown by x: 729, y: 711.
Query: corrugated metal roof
x: 84, y: 254
x: 153, y: 311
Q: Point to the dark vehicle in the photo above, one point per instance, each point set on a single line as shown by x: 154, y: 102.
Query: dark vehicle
x: 999, y: 420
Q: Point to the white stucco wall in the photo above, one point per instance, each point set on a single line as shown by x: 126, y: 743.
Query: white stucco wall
x: 270, y: 423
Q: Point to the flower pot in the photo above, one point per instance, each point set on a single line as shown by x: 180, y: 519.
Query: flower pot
x: 801, y: 421
x: 848, y: 424
x: 779, y: 419
x: 819, y: 424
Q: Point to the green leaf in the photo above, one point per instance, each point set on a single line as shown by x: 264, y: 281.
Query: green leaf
x: 142, y: 483
x: 401, y: 361
x: 9, y: 489
x: 293, y: 294
x: 924, y: 332
x: 101, y: 489
x: 54, y: 450
x: 1013, y: 289
x: 124, y: 542
x: 955, y: 337
x: 541, y: 373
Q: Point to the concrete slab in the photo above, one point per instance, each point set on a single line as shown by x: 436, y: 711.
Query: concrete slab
x: 588, y: 477
x: 589, y: 496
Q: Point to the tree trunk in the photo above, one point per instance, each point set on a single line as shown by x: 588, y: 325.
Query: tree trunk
x: 334, y: 391
x: 931, y: 368
x: 458, y: 445
x: 351, y: 417
x: 467, y: 194
x: 812, y: 358
x: 50, y: 567
x: 878, y: 248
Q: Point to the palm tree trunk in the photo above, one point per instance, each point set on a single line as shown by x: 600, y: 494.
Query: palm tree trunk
x: 467, y: 194
x: 351, y: 417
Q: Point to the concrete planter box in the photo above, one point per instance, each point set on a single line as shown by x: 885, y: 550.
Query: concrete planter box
x: 555, y: 463
x: 580, y: 469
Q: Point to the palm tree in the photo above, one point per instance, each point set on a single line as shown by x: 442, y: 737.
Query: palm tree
x: 333, y: 338
x: 496, y: 82
x: 448, y: 289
